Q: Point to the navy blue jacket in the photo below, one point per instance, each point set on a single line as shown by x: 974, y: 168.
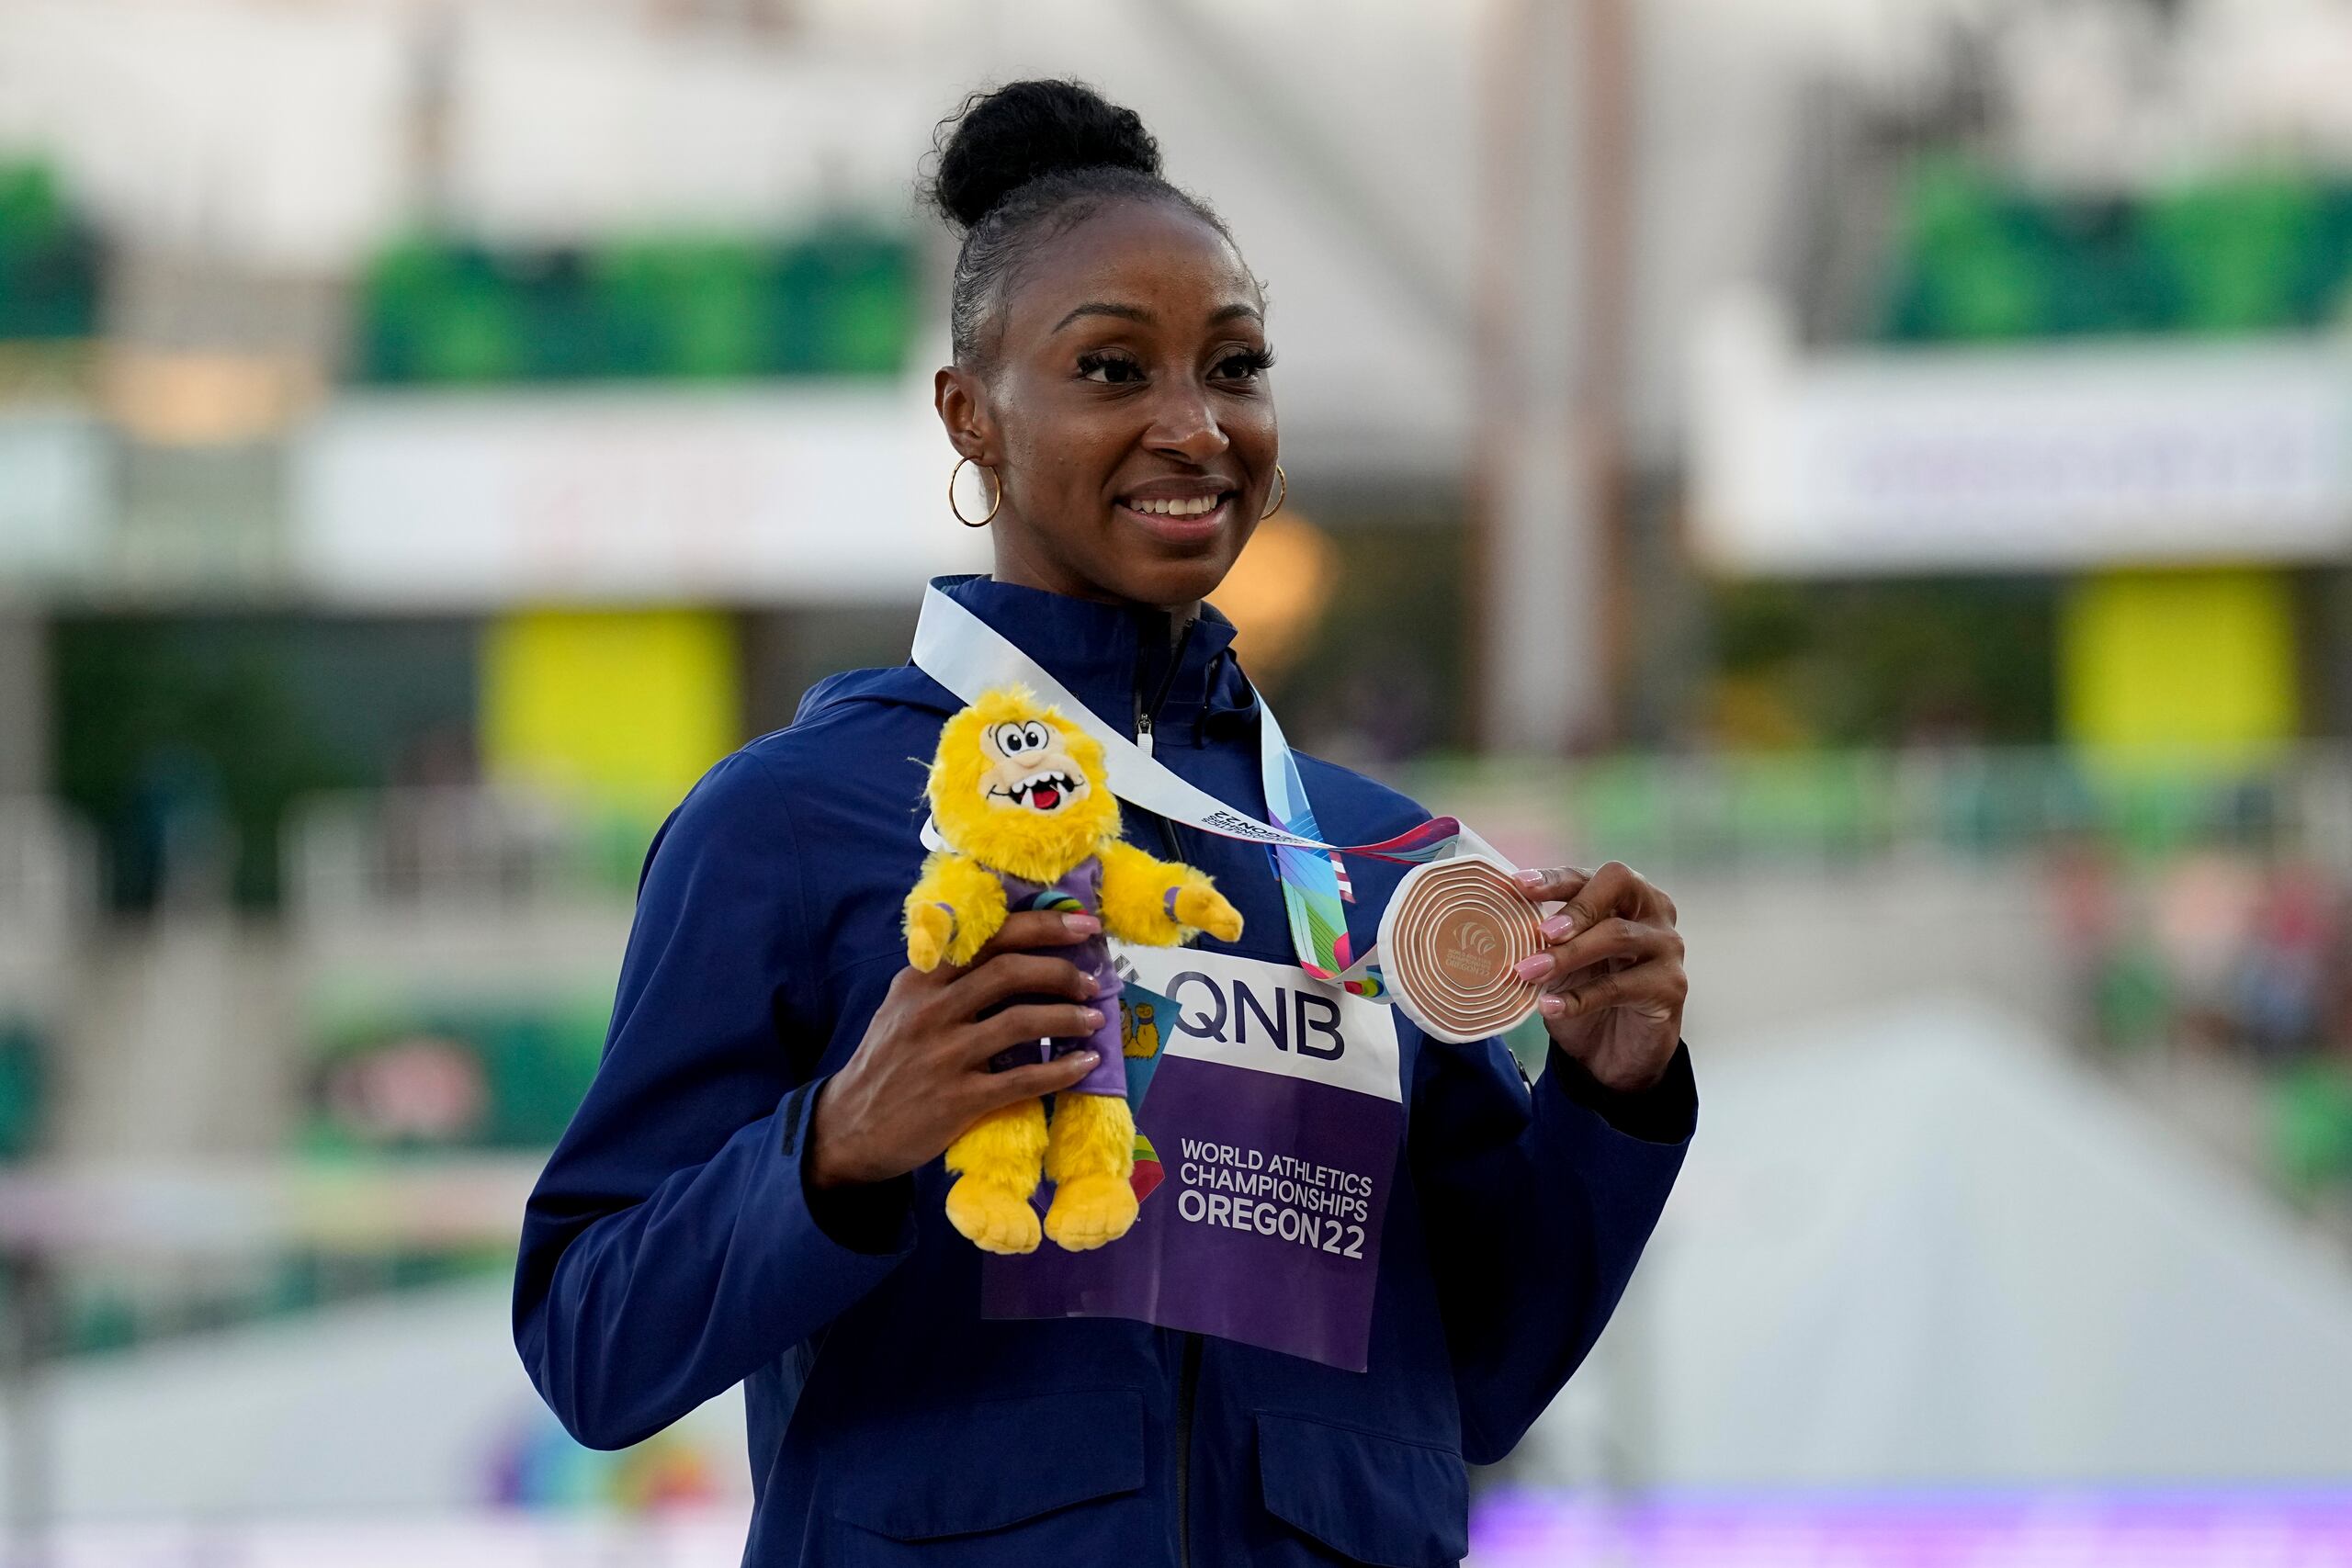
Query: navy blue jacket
x: 672, y: 1251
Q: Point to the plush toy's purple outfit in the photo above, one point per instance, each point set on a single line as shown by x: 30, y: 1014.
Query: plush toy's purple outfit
x: 1079, y: 891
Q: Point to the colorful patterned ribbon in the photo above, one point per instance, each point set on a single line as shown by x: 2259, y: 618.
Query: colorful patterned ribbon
x: 1312, y: 889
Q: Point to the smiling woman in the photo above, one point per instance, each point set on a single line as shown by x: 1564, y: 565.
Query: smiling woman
x: 1373, y: 1256
x: 1110, y: 355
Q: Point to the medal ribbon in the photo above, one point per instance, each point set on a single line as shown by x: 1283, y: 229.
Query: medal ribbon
x: 967, y: 656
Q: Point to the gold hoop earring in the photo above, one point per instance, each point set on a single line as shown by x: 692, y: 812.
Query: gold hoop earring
x: 1279, y: 495
x: 997, y: 484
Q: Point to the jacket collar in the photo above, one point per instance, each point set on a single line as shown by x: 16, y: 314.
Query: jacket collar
x: 1113, y: 657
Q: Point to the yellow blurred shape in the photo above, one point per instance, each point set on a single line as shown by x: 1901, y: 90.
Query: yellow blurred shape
x: 1277, y: 591
x: 175, y: 399
x: 1752, y: 713
x: 2180, y: 663
x: 622, y: 709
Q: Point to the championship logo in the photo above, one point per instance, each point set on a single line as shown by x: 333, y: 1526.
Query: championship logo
x: 1447, y: 944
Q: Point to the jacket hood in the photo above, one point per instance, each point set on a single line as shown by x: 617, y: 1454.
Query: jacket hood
x: 1116, y: 658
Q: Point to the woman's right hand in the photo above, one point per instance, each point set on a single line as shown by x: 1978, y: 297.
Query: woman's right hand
x: 920, y: 1074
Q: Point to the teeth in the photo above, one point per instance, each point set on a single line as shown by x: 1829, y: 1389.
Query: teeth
x: 1197, y: 506
x: 1061, y: 782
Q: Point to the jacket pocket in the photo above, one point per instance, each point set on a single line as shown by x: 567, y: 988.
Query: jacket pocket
x: 987, y: 1466
x: 1373, y: 1499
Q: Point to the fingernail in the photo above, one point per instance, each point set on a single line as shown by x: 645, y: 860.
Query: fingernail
x: 1082, y: 925
x: 1092, y: 984
x: 1094, y: 1018
x: 1551, y: 1007
x: 1532, y: 968
x: 1557, y: 926
x: 1528, y: 878
x: 1088, y: 1057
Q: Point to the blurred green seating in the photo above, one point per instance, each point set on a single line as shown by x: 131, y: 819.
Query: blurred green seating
x: 686, y: 308
x: 49, y: 259
x: 1972, y: 263
x: 1622, y: 807
x: 24, y: 1084
x: 434, y: 312
x: 1766, y: 807
x: 2242, y: 255
x: 1799, y: 804
x: 1979, y: 256
x: 2310, y: 1126
x: 834, y: 302
x: 2131, y: 997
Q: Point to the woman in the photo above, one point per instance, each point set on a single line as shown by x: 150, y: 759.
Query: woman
x: 751, y: 1190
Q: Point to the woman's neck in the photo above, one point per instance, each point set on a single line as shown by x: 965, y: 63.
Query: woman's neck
x: 1021, y: 574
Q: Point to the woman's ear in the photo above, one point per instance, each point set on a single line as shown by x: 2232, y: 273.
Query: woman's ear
x: 962, y: 400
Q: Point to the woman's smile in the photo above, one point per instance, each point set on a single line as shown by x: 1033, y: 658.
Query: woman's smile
x: 1181, y: 510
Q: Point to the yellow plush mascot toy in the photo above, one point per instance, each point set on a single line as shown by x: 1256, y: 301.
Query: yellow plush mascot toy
x: 1019, y: 796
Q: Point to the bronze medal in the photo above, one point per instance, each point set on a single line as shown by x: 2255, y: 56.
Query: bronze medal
x: 1448, y: 943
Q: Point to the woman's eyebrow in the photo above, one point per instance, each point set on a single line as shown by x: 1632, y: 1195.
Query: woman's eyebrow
x: 1237, y: 309
x: 1105, y: 308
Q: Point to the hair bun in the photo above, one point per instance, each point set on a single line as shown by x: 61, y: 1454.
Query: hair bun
x: 1000, y: 141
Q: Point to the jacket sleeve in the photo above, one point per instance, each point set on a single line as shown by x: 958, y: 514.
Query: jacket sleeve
x: 671, y: 1247
x: 1537, y: 1202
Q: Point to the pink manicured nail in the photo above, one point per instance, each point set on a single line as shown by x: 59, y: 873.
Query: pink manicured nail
x: 1557, y: 926
x: 1088, y: 1057
x: 1551, y: 1007
x: 1535, y: 967
x: 1094, y: 1018
x: 1082, y: 925
x: 1529, y: 880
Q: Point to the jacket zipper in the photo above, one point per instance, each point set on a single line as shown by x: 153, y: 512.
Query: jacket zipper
x: 1188, y: 1379
x: 1147, y: 713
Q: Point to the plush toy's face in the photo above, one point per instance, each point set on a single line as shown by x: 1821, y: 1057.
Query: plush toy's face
x: 1030, y: 767
x: 1019, y: 788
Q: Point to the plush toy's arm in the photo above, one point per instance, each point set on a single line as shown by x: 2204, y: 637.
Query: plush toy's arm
x: 1159, y: 903
x: 957, y: 904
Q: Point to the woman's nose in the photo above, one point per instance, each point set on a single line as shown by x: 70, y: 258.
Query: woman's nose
x: 1185, y: 425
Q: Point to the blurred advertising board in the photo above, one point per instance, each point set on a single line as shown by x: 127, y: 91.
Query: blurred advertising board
x: 2024, y: 457
x: 774, y: 496
x: 54, y: 497
x: 2052, y: 1527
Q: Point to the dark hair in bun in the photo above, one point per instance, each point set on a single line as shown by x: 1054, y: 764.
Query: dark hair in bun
x: 1022, y: 164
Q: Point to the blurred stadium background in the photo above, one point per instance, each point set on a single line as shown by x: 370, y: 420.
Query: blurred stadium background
x: 1882, y: 467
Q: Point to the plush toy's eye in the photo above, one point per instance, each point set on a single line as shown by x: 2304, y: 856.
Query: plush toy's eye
x: 1036, y: 735
x: 1012, y: 740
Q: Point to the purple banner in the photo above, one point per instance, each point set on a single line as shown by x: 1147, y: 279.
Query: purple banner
x: 1265, y: 1226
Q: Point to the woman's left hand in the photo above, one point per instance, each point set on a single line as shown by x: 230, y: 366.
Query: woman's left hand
x: 1612, y: 975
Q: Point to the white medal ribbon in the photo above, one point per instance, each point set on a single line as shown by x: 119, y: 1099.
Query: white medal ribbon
x: 967, y: 656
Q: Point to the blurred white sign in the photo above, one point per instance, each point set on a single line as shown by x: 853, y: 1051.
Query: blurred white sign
x: 564, y: 122
x: 273, y: 135
x: 2022, y: 457
x: 787, y: 496
x: 53, y: 496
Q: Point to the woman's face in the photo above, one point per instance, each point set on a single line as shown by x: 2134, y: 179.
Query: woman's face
x: 1126, y: 410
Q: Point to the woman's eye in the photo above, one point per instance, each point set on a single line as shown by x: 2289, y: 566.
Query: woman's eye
x: 1114, y: 369
x: 1243, y: 364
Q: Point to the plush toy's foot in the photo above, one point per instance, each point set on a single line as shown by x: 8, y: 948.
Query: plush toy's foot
x: 998, y: 1161
x: 1090, y: 1158
x: 929, y: 927
x: 992, y: 1218
x: 1090, y: 1211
